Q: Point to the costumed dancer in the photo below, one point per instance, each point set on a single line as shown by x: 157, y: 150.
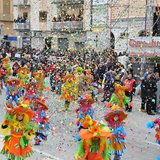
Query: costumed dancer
x: 23, y: 75
x: 68, y: 90
x: 79, y: 82
x: 13, y: 92
x: 39, y: 76
x: 130, y: 83
x: 88, y: 79
x: 118, y: 97
x: 89, y: 85
x: 41, y: 118
x: 156, y: 125
x: 31, y: 92
x: 84, y: 110
x: 2, y: 75
x: 94, y: 144
x: 18, y: 130
x: 7, y: 66
x: 15, y: 68
x: 114, y: 117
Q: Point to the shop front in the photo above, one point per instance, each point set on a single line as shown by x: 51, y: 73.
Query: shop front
x: 144, y: 46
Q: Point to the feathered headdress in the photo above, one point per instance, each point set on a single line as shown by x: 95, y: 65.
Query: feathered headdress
x: 95, y: 129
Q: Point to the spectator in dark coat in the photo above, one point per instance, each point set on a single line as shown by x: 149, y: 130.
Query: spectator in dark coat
x: 143, y: 96
x: 151, y: 88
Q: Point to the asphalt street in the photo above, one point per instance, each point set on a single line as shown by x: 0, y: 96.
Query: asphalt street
x: 61, y: 143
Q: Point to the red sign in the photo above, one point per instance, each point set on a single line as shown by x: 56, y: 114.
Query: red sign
x: 137, y: 43
x: 145, y: 53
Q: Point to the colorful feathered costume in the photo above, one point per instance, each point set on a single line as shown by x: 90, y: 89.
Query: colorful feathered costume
x: 2, y: 75
x: 7, y: 66
x: 23, y: 75
x: 88, y: 79
x: 153, y: 124
x: 118, y: 97
x: 39, y: 76
x: 156, y: 125
x: 85, y: 109
x: 42, y: 120
x: 114, y: 117
x: 17, y: 141
x: 13, y: 92
x: 94, y: 145
x: 79, y: 82
x: 68, y: 90
x: 31, y: 92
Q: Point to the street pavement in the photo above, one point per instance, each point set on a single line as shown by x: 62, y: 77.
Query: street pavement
x: 62, y: 145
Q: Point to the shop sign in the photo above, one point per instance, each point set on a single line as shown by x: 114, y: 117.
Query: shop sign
x: 143, y: 43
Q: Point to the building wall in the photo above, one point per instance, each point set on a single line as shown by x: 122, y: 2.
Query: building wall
x: 136, y: 13
x: 6, y: 16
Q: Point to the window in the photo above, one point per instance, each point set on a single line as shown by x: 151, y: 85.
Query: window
x: 43, y: 16
x: 6, y: 6
x: 25, y: 14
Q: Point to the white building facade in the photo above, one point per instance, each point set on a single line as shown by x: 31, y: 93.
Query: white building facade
x: 89, y: 28
x: 75, y: 34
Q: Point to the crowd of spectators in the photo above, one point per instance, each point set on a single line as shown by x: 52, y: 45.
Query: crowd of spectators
x: 67, y: 17
x: 21, y: 19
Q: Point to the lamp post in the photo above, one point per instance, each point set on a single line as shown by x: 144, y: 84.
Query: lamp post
x: 109, y: 23
x: 146, y: 19
x: 91, y: 13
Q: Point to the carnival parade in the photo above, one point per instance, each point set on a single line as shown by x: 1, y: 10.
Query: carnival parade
x: 80, y: 80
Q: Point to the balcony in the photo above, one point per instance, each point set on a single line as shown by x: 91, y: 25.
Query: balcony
x: 6, y: 17
x: 21, y: 3
x: 21, y: 26
x: 69, y: 26
x: 68, y: 1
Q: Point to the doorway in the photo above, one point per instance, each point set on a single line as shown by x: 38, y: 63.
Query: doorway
x: 79, y: 45
x: 63, y: 44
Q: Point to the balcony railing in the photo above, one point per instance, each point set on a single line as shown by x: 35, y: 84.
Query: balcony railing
x: 69, y: 1
x: 6, y: 17
x: 21, y: 3
x: 69, y: 26
x: 21, y: 26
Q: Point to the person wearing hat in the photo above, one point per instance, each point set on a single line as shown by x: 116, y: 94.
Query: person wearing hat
x: 15, y: 68
x: 39, y: 76
x: 79, y: 81
x: 7, y: 65
x: 156, y: 125
x: 2, y: 77
x: 115, y: 116
x: 88, y: 78
x: 84, y: 110
x: 18, y: 130
x: 23, y: 75
x: 68, y: 90
x: 42, y: 120
x: 94, y: 144
x: 118, y: 97
x: 13, y: 92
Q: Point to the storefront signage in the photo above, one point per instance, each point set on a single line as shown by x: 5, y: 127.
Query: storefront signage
x: 143, y: 43
x: 145, y: 53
